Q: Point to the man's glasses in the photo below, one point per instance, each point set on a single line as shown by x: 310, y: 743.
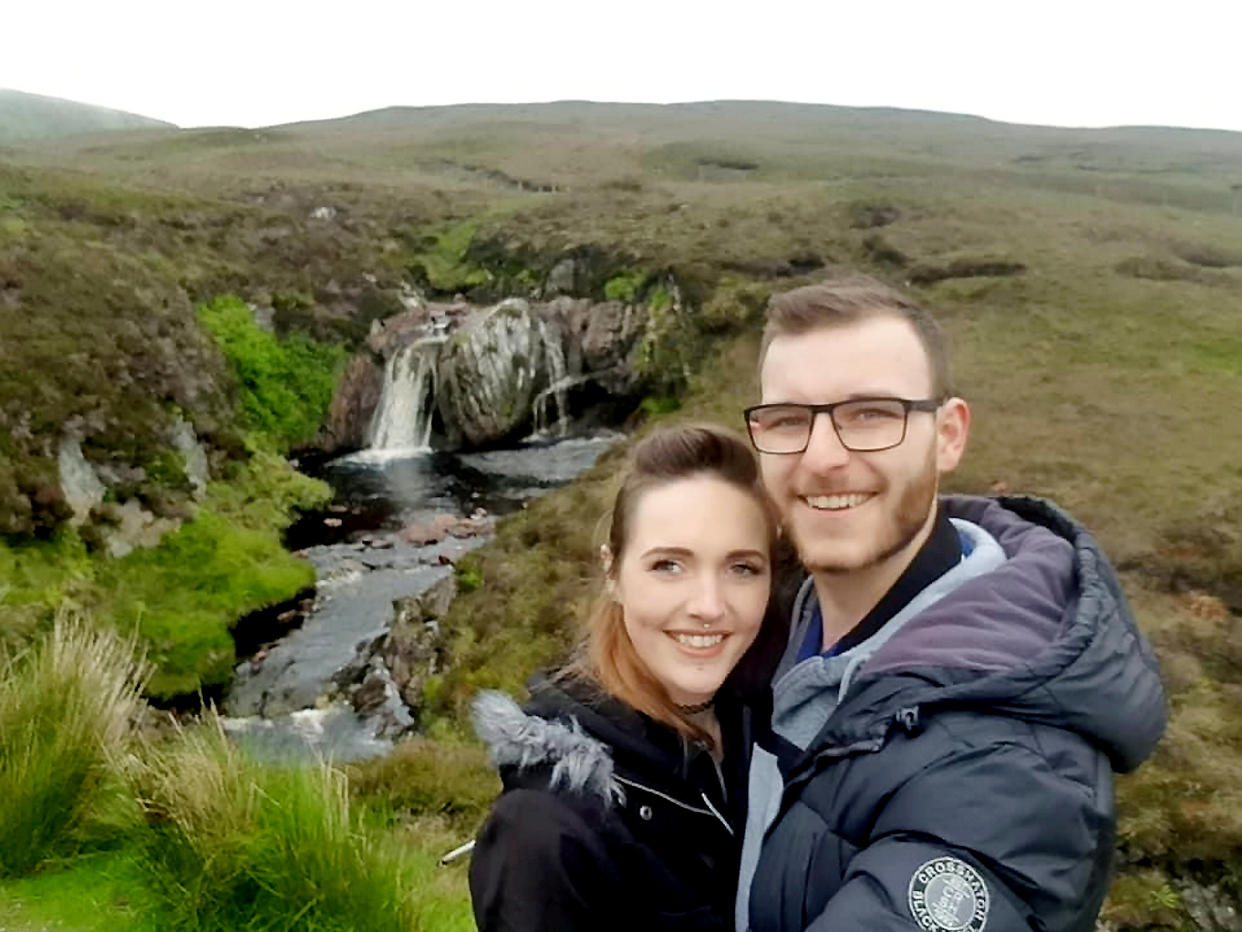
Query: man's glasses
x: 863, y: 425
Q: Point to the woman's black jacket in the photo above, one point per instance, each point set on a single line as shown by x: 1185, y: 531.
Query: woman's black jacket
x: 607, y: 820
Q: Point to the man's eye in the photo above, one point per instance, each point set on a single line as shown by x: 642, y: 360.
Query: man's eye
x: 874, y: 415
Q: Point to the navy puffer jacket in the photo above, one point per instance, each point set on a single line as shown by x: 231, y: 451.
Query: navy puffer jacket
x: 964, y: 780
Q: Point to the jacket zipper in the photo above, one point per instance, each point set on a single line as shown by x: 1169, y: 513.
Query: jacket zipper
x: 709, y: 811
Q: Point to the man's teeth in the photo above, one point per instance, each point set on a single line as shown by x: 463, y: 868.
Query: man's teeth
x: 836, y: 502
x: 699, y: 640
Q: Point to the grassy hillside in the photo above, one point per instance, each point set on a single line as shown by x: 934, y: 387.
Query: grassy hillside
x: 33, y: 116
x: 1091, y: 283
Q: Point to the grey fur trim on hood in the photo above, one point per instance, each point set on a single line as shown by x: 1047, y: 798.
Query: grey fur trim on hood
x: 579, y: 762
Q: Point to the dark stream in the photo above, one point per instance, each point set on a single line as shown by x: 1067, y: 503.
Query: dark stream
x: 282, y: 700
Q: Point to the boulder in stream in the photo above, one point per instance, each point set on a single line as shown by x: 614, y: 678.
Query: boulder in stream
x: 489, y: 372
x: 414, y: 647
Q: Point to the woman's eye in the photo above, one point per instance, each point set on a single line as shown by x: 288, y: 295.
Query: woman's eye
x: 747, y: 569
x: 666, y: 566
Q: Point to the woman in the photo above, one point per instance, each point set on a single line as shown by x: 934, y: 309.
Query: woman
x: 623, y: 777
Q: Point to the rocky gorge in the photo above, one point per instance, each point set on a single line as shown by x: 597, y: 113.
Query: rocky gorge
x: 456, y: 376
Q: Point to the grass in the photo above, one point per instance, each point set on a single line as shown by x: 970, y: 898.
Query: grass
x: 98, y: 892
x: 104, y: 826
x: 283, y: 847
x: 65, y: 708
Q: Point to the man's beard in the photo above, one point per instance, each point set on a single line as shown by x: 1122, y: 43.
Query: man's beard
x: 901, y: 527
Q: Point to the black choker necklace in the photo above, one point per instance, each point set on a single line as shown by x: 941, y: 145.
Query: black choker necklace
x: 697, y: 707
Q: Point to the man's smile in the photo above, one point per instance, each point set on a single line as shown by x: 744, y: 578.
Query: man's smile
x: 838, y: 502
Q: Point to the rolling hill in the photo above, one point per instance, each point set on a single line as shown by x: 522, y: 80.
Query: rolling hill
x: 32, y: 116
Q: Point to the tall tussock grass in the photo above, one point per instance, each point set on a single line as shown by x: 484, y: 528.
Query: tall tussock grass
x: 233, y: 843
x: 65, y: 708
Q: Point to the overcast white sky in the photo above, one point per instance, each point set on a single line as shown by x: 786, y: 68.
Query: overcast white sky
x: 260, y: 62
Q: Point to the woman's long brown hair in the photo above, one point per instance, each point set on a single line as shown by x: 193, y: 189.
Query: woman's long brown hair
x: 607, y: 655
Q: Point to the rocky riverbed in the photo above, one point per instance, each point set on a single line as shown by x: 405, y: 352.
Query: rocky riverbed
x: 348, y: 681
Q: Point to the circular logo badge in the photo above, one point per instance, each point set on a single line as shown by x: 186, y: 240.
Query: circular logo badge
x: 948, y: 895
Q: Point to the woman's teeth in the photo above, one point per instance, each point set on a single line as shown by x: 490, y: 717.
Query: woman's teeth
x: 699, y: 640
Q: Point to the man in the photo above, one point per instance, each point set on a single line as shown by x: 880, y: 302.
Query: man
x: 961, y: 675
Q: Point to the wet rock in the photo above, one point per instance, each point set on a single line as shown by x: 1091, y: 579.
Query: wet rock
x: 353, y: 405
x: 612, y: 332
x: 369, y: 696
x: 1211, y: 908
x: 489, y: 373
x: 388, y: 335
x: 440, y: 527
x: 414, y: 647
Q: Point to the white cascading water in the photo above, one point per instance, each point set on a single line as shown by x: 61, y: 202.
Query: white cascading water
x: 558, y: 383
x: 402, y: 419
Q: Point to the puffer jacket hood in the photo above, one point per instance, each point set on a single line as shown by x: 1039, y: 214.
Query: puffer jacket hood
x: 1046, y: 637
x: 585, y: 740
x: 514, y: 739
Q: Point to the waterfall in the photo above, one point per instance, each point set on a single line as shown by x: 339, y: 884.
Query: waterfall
x: 402, y: 419
x: 559, y: 382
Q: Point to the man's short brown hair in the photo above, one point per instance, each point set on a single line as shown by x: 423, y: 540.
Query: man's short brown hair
x: 847, y: 300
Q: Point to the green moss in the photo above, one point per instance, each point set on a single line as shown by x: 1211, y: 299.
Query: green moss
x: 666, y: 404
x: 284, y: 386
x: 1143, y: 899
x: 444, y: 264
x: 624, y: 286
x: 469, y: 575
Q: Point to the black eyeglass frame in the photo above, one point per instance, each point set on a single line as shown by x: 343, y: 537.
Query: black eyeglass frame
x: 907, y: 404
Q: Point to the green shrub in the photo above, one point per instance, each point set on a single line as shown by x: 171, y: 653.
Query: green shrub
x: 427, y: 777
x: 444, y: 264
x: 624, y: 286
x: 469, y: 574
x: 236, y: 844
x: 285, y: 386
x: 65, y: 707
x: 657, y: 405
